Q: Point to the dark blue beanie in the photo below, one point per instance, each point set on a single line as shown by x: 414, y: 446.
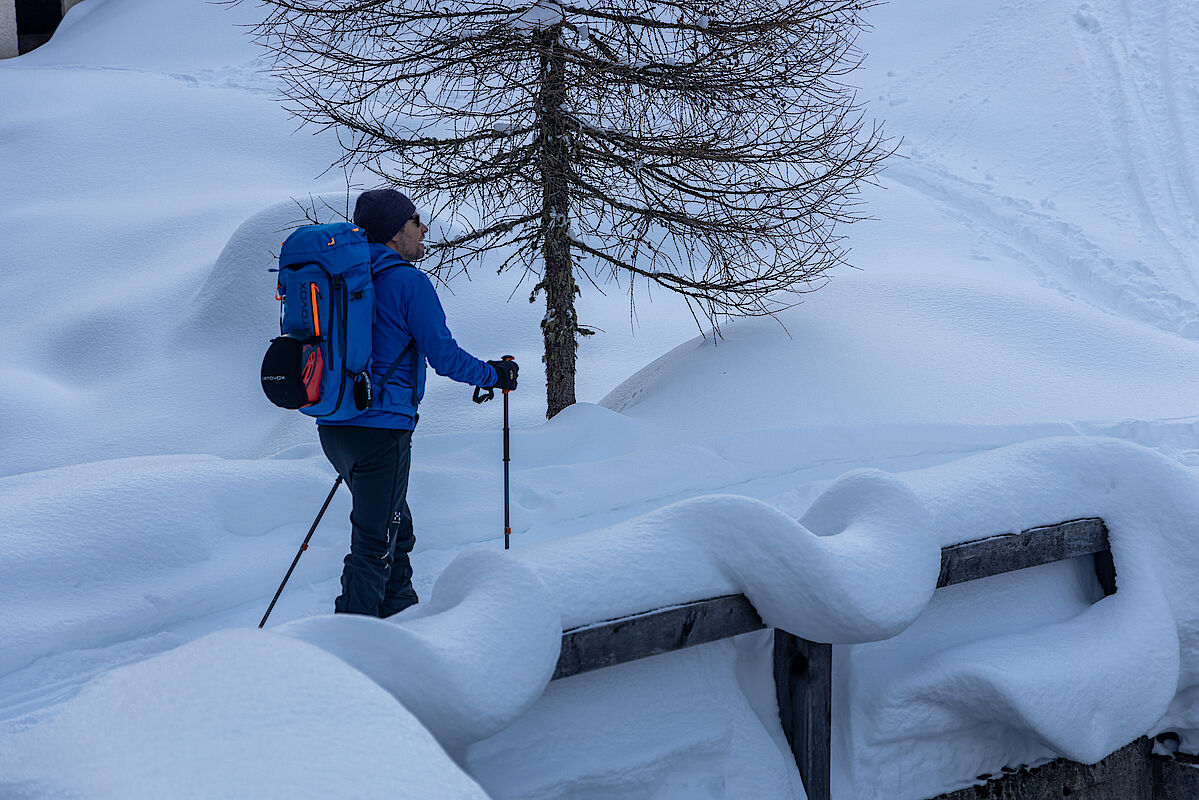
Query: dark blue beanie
x: 382, y: 212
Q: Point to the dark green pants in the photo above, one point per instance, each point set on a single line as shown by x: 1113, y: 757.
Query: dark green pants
x: 377, y: 577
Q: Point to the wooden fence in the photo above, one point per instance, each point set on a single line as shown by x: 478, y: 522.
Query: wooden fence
x: 803, y: 670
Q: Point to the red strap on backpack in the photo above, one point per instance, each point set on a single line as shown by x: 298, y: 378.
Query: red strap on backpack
x: 313, y: 369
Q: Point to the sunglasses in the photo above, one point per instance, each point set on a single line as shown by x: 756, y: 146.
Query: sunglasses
x: 415, y: 218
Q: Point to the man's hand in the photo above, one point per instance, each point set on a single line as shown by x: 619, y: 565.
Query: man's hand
x: 506, y: 369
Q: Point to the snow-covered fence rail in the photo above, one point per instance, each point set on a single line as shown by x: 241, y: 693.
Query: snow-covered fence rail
x: 803, y: 670
x: 616, y: 641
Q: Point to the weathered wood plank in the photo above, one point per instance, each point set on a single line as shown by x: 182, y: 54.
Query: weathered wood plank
x: 661, y: 631
x: 803, y: 684
x: 1174, y: 779
x: 630, y: 638
x: 1008, y: 552
x: 1130, y: 773
x: 1127, y: 774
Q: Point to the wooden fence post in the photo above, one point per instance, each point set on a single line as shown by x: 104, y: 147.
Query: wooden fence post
x: 803, y: 682
x: 1105, y: 572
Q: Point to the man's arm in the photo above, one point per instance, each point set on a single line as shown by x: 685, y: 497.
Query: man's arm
x: 426, y: 323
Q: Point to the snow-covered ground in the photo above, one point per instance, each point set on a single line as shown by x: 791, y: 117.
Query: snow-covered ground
x: 1019, y: 347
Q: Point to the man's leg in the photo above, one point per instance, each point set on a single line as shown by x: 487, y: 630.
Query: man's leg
x: 374, y: 463
x: 399, y: 593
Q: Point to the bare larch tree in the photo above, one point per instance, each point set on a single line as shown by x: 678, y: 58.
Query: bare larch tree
x: 709, y: 148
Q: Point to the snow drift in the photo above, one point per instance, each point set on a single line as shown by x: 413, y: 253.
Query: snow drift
x: 860, y: 566
x: 239, y: 713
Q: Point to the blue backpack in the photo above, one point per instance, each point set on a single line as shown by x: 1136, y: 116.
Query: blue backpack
x: 321, y: 362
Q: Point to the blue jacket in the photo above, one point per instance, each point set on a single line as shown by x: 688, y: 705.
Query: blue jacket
x: 409, y: 322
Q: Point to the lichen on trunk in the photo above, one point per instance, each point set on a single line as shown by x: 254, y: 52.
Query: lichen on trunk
x: 559, y: 327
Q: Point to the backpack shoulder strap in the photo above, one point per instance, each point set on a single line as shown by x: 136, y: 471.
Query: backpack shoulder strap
x: 411, y: 348
x: 391, y: 370
x: 388, y: 261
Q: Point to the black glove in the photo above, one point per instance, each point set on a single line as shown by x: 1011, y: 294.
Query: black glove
x: 506, y: 370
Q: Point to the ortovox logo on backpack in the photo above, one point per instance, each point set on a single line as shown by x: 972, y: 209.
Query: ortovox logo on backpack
x: 321, y: 362
x: 292, y: 370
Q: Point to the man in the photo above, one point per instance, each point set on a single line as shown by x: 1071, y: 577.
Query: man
x: 372, y: 451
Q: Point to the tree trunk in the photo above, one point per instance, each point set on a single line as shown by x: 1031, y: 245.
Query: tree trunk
x: 559, y: 327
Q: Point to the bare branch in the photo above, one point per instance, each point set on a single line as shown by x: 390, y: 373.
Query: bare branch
x: 709, y: 149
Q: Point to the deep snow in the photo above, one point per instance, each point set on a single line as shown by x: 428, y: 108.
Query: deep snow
x: 1027, y: 286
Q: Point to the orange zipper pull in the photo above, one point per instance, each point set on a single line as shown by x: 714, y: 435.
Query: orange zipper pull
x: 316, y: 319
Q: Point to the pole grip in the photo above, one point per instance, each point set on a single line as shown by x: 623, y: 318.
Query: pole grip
x: 507, y: 358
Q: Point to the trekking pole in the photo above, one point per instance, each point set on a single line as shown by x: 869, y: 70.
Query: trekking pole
x: 507, y: 522
x: 482, y: 396
x: 303, y: 547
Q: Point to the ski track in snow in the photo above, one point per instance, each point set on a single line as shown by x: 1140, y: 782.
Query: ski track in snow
x: 1131, y: 51
x: 1129, y: 58
x: 1058, y: 252
x: 251, y: 77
